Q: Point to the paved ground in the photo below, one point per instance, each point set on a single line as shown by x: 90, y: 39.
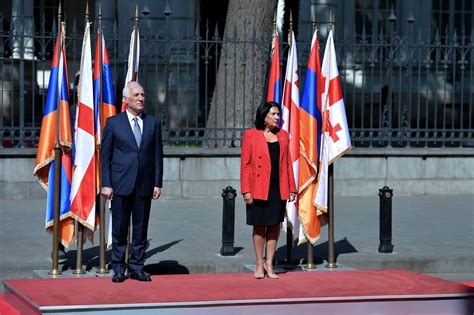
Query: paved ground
x: 431, y: 234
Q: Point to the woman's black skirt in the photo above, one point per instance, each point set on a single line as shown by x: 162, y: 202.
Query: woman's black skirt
x: 267, y: 212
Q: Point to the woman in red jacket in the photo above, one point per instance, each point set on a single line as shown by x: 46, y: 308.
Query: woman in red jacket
x: 267, y: 182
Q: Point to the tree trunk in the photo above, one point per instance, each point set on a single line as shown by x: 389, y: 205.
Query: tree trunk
x: 242, y: 71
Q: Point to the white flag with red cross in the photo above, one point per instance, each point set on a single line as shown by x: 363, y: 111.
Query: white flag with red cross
x: 134, y: 52
x: 84, y: 177
x: 290, y: 123
x: 336, y: 140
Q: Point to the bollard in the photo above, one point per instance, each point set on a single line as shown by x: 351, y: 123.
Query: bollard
x: 385, y: 195
x: 228, y: 220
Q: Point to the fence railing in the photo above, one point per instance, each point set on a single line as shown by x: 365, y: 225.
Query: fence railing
x: 399, y: 91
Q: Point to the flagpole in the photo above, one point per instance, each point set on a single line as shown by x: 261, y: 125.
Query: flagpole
x: 57, y: 162
x: 331, y: 261
x: 102, y: 268
x: 275, y: 31
x: 80, y: 228
x: 310, y: 262
x: 135, y: 40
x: 289, y: 228
x: 134, y: 78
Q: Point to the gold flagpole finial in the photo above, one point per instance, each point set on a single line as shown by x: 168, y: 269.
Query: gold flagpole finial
x: 87, y: 11
x: 59, y: 18
x: 136, y: 13
x: 135, y: 49
x: 291, y: 20
x: 331, y: 20
x: 275, y: 20
x: 290, y: 30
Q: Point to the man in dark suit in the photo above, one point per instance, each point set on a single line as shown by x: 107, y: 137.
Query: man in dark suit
x: 132, y: 173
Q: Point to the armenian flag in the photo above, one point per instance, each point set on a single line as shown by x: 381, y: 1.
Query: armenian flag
x: 53, y: 129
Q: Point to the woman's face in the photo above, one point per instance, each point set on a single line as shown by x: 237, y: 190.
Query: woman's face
x: 272, y: 118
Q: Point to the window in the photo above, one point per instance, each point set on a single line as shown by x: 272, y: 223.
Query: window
x: 450, y: 16
x: 372, y: 16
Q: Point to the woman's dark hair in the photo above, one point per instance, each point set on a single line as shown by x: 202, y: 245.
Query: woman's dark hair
x: 262, y: 112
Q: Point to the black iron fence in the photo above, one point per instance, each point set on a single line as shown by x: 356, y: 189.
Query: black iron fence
x: 414, y: 90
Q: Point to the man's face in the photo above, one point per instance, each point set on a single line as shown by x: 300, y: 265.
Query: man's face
x: 136, y: 100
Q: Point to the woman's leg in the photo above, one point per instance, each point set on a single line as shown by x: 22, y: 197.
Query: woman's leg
x: 258, y: 237
x: 273, y: 231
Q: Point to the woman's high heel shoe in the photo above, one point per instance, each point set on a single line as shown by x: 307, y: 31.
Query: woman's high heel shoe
x: 270, y: 275
x: 258, y: 275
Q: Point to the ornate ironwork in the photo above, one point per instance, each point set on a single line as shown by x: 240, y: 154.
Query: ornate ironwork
x: 412, y: 90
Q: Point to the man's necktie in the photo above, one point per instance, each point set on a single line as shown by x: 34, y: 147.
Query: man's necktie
x: 136, y: 131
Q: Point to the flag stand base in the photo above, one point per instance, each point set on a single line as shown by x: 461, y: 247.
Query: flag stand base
x: 65, y: 274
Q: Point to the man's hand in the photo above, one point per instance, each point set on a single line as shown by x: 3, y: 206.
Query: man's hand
x: 107, y: 192
x: 156, y: 193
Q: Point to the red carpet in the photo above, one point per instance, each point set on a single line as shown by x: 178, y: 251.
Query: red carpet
x: 228, y: 287
x: 5, y: 308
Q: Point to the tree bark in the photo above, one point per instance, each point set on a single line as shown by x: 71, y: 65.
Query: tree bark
x: 242, y: 71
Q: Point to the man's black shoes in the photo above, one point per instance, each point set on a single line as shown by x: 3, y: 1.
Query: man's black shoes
x: 140, y: 275
x: 119, y: 277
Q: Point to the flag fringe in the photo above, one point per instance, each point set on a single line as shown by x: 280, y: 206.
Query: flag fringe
x: 339, y: 155
x: 306, y: 238
x: 49, y: 228
x: 313, y: 177
x: 83, y: 222
x: 39, y: 167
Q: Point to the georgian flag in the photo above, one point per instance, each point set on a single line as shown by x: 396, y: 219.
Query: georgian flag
x: 132, y: 73
x: 290, y: 123
x: 336, y: 140
x: 84, y: 181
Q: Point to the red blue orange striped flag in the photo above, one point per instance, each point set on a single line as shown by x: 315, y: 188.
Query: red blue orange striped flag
x: 108, y: 96
x: 274, y: 82
x: 108, y: 104
x: 45, y: 165
x: 310, y: 141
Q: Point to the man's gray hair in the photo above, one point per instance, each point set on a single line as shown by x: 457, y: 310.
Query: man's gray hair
x: 130, y: 85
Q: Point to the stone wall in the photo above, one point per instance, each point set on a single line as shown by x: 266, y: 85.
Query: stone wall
x: 204, y: 173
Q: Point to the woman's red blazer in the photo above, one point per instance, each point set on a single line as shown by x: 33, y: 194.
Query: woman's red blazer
x: 255, y: 165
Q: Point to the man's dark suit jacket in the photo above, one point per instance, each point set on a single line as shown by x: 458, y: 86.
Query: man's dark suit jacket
x: 124, y: 164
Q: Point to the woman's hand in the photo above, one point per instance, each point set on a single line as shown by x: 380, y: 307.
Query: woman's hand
x: 292, y: 197
x: 248, y: 198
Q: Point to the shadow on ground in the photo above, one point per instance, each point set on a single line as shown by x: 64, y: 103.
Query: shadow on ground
x: 233, y: 252
x: 320, y: 252
x: 166, y: 267
x: 90, y: 257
